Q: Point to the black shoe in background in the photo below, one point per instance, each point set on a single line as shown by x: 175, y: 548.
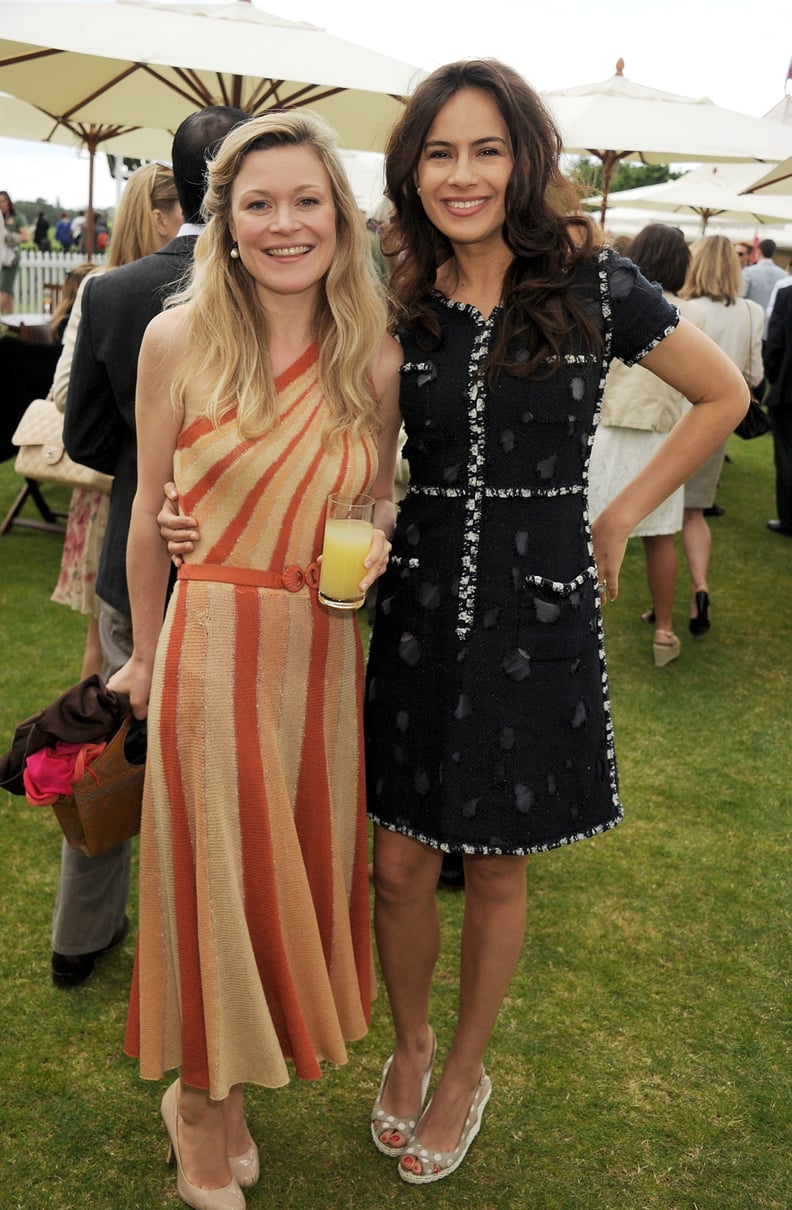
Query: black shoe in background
x: 69, y: 970
x: 452, y: 872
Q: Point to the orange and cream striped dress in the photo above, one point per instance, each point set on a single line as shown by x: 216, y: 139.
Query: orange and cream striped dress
x: 254, y: 941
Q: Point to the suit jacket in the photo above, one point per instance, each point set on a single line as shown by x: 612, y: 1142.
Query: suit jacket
x: 778, y: 353
x: 759, y: 280
x: 99, y: 425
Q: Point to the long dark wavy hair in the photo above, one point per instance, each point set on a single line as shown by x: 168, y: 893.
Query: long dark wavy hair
x: 548, y: 239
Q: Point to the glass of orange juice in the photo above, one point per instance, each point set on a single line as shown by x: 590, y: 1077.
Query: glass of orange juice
x: 347, y: 538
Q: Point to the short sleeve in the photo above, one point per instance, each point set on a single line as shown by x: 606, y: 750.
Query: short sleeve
x: 640, y: 316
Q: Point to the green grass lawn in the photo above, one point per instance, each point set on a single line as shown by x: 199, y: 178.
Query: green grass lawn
x: 641, y: 1061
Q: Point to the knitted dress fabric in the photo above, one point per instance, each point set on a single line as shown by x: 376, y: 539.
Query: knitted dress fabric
x: 254, y: 939
x: 487, y: 716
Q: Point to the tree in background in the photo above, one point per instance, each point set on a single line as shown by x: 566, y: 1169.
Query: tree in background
x: 587, y: 175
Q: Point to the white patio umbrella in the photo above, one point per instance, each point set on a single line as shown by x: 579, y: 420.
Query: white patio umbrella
x: 776, y: 182
x: 179, y: 58
x: 617, y: 120
x: 779, y: 178
x: 149, y: 63
x: 19, y: 120
x: 712, y: 190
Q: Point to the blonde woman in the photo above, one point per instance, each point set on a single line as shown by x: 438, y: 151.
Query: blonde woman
x: 259, y: 393
x: 148, y: 216
x: 714, y: 280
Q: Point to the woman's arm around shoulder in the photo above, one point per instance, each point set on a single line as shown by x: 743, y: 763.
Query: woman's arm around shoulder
x: 386, y: 378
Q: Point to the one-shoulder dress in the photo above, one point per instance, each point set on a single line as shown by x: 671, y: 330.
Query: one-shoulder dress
x: 254, y: 943
x: 487, y: 716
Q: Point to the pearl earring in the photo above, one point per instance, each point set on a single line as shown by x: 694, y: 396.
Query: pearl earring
x: 234, y: 253
x: 418, y: 190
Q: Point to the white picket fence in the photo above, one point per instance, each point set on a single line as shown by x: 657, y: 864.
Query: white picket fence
x: 35, y: 268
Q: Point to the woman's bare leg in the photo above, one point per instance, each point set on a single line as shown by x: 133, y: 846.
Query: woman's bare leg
x: 238, y: 1138
x: 407, y: 928
x: 202, y: 1138
x: 661, y: 575
x: 697, y: 541
x: 492, y: 937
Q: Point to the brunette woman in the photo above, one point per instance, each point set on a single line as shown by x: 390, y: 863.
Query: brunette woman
x: 487, y: 718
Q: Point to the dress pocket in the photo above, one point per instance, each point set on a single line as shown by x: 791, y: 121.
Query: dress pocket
x: 556, y: 618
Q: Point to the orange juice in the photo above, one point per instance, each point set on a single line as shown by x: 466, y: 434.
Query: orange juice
x: 346, y: 544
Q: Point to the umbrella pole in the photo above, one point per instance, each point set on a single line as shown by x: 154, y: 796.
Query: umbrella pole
x: 89, y: 216
x: 610, y: 162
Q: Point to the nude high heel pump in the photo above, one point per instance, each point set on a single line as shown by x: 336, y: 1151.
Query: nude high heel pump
x: 230, y: 1197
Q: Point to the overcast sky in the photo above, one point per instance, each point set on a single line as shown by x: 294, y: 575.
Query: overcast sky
x: 733, y: 52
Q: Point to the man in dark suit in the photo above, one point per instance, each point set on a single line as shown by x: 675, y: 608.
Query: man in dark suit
x: 99, y: 431
x: 778, y: 371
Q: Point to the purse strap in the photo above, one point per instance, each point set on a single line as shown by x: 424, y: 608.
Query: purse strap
x: 747, y: 359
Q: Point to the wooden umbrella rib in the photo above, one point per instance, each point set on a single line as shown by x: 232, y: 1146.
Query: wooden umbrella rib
x: 199, y: 100
x: 311, y: 97
x: 226, y: 97
x: 26, y: 58
x: 266, y: 89
x: 786, y: 177
x: 307, y: 95
x: 100, y: 134
x: 99, y: 92
x: 200, y: 93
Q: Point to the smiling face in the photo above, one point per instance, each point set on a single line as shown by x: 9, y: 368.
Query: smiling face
x: 283, y: 218
x: 464, y: 169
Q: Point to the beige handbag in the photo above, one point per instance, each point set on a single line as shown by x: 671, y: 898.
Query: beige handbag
x: 42, y: 457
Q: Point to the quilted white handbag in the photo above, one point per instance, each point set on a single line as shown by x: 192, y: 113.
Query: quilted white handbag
x: 42, y: 457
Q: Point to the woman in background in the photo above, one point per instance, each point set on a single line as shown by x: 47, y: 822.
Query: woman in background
x: 15, y: 233
x: 148, y: 216
x: 736, y: 324
x: 71, y: 286
x: 41, y: 233
x: 638, y: 412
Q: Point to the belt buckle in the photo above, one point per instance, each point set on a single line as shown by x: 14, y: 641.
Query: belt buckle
x: 293, y: 578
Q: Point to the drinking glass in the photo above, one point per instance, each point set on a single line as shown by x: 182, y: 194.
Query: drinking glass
x: 347, y: 538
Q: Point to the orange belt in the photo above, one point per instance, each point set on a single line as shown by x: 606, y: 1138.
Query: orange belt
x: 292, y: 578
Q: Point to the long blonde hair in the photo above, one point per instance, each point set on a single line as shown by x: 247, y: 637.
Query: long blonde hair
x: 225, y: 319
x: 714, y: 271
x: 149, y: 188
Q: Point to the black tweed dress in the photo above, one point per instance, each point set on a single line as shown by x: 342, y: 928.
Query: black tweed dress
x: 488, y: 724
